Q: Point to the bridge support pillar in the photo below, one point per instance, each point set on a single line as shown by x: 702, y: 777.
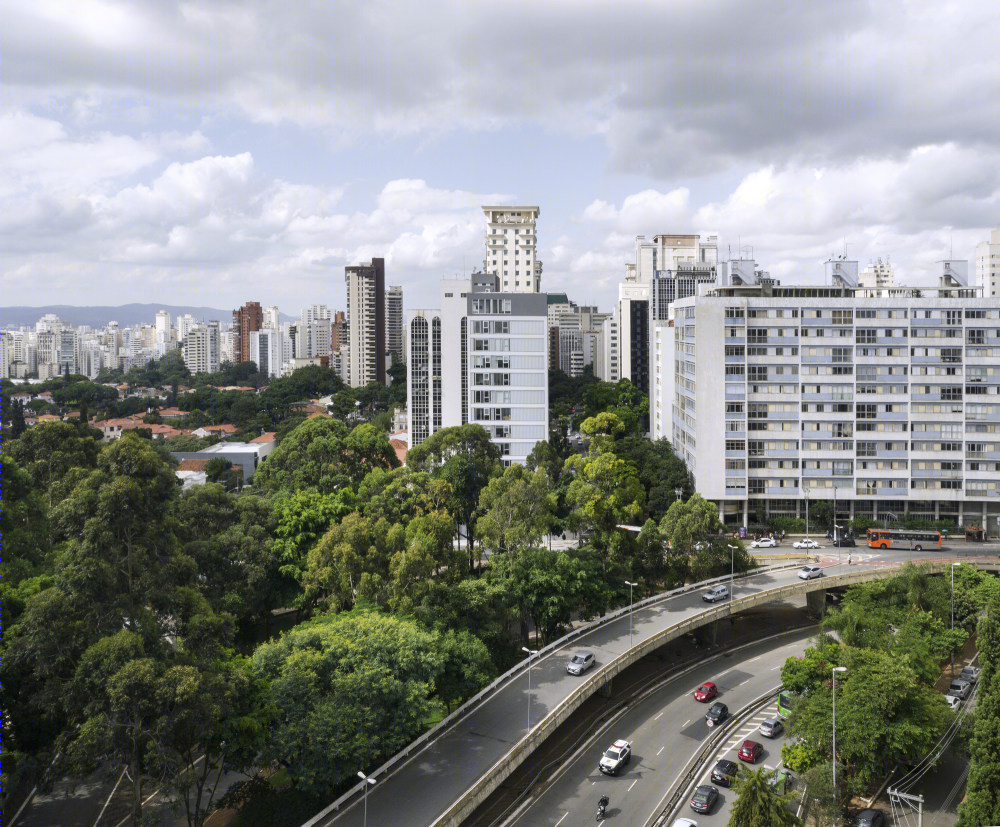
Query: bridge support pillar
x: 816, y: 603
x: 605, y: 690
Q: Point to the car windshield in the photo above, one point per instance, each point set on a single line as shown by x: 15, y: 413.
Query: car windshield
x: 580, y: 659
x: 699, y: 795
x: 612, y: 753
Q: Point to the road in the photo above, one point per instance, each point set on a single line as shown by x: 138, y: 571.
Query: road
x: 666, y: 728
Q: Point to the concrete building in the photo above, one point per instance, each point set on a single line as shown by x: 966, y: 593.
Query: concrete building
x: 202, y: 349
x: 988, y: 265
x: 69, y: 351
x: 511, y: 253
x: 246, y: 320
x: 395, y: 341
x: 164, y: 334
x: 272, y: 319
x: 267, y: 350
x: 877, y: 275
x: 314, y: 332
x: 481, y: 358
x: 607, y: 357
x: 366, y: 323
x: 886, y: 401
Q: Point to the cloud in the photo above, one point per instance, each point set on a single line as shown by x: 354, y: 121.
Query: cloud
x: 672, y: 87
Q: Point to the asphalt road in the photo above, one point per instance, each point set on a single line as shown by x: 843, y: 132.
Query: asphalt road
x: 666, y: 728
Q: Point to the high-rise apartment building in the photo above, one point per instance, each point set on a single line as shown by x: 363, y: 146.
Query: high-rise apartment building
x: 511, y: 244
x: 272, y: 319
x: 164, y: 335
x: 267, y: 350
x: 246, y: 320
x: 886, y: 401
x: 202, y: 348
x: 395, y: 341
x: 314, y: 332
x: 366, y: 323
x: 988, y: 265
x: 877, y: 275
x: 480, y: 359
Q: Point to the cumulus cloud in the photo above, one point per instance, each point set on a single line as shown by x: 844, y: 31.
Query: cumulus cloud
x: 672, y: 86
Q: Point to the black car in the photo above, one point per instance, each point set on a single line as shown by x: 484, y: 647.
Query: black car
x: 704, y: 798
x: 845, y: 542
x: 717, y: 713
x: 870, y: 818
x: 725, y: 772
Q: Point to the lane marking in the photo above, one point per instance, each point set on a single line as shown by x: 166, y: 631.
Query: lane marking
x: 632, y: 785
x: 657, y: 718
x: 775, y: 667
x: 686, y: 722
x: 661, y: 750
x: 560, y: 821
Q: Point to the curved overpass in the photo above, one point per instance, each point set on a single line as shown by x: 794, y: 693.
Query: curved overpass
x: 444, y: 775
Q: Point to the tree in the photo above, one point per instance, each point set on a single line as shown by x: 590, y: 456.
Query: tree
x: 23, y: 526
x: 349, y: 691
x: 467, y: 459
x: 758, y: 802
x: 311, y: 456
x: 17, y: 423
x: 48, y: 451
x: 517, y: 508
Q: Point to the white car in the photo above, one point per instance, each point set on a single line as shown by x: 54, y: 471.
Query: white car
x: 685, y: 822
x: 581, y: 662
x: 616, y: 757
x: 806, y: 543
x: 716, y: 593
x: 809, y: 572
x: 764, y: 542
x: 953, y: 702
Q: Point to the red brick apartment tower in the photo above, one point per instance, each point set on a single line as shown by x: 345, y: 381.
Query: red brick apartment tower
x: 246, y: 320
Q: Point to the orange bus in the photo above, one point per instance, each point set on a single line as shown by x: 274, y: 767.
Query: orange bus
x: 903, y: 539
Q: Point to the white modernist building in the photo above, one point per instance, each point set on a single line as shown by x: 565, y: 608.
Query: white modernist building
x: 202, y: 347
x: 887, y: 401
x: 511, y: 253
x: 988, y: 265
x: 481, y: 358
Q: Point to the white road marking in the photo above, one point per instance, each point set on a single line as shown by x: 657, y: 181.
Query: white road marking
x: 686, y: 722
x: 657, y: 718
x: 660, y: 750
x: 632, y: 785
x: 775, y: 667
x: 560, y: 821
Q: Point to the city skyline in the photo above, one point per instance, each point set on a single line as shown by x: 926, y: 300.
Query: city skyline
x: 184, y: 154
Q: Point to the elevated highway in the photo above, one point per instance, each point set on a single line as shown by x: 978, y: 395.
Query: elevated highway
x: 444, y: 775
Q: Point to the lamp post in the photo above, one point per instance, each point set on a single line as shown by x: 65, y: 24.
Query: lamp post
x: 732, y: 570
x: 678, y: 493
x: 526, y: 649
x: 369, y: 782
x: 630, y: 585
x: 836, y: 669
x: 953, y: 616
x: 805, y: 493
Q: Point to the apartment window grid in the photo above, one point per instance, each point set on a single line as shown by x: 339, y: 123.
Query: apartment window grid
x: 420, y: 380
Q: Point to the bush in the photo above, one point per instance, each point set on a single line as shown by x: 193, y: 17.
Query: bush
x: 800, y: 756
x: 790, y: 525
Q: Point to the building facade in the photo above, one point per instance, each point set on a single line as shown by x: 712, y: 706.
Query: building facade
x: 888, y: 403
x: 988, y: 265
x: 366, y: 323
x: 395, y: 341
x: 246, y: 320
x: 511, y: 248
x: 202, y: 349
x: 481, y: 358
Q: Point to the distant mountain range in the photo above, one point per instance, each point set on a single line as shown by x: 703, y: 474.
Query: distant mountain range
x: 125, y: 314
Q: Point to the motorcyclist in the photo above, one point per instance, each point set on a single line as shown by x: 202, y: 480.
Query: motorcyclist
x: 602, y: 805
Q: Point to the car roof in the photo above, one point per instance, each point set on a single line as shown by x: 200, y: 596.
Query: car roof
x: 620, y: 743
x: 748, y: 743
x: 584, y: 655
x: 708, y: 683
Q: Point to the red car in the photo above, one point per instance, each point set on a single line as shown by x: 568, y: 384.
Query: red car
x: 705, y: 692
x: 751, y: 751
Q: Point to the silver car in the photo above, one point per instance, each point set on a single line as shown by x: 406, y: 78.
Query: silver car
x: 716, y: 593
x: 581, y: 662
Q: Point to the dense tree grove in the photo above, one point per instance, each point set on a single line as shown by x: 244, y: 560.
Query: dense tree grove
x: 892, y: 637
x: 143, y: 624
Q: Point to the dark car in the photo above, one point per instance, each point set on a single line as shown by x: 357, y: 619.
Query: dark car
x: 704, y: 798
x: 750, y: 751
x: 725, y: 772
x: 845, y: 542
x: 717, y: 713
x: 869, y: 818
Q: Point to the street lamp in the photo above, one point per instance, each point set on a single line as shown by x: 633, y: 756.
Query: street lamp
x: 732, y: 570
x: 836, y: 669
x: 530, y: 653
x: 805, y: 493
x: 953, y: 616
x: 630, y: 585
x: 369, y: 782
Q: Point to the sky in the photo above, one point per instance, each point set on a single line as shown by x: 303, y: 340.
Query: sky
x: 212, y: 152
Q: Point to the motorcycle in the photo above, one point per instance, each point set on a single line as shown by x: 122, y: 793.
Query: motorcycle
x: 602, y: 805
